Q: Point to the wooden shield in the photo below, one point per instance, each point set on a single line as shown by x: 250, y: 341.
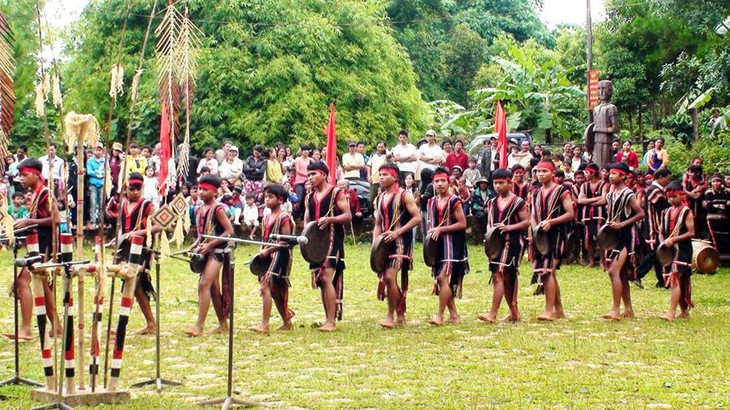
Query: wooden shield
x: 607, y: 238
x: 379, y: 255
x: 665, y: 254
x: 259, y: 265
x: 318, y: 243
x: 494, y: 243
x: 541, y: 240
x: 430, y: 251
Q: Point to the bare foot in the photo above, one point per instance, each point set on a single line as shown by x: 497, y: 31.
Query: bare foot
x: 629, y: 314
x: 260, y: 328
x: 400, y: 321
x: 149, y: 330
x: 559, y: 314
x: 454, y: 319
x: 387, y: 323
x: 221, y: 330
x: 546, y: 317
x: 612, y: 315
x: 328, y: 327
x: 684, y: 315
x: 194, y: 331
x: 436, y: 321
x: 59, y: 332
x: 513, y: 318
x: 286, y: 326
x: 489, y: 318
x: 669, y: 317
x: 22, y: 336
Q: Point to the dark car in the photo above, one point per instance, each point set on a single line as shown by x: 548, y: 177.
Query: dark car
x: 476, y: 145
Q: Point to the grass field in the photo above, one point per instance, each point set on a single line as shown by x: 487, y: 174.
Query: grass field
x: 580, y: 362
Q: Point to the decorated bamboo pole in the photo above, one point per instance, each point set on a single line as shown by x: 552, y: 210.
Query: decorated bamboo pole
x: 68, y: 364
x: 39, y: 308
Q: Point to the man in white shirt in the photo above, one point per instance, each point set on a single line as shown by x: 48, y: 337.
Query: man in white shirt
x: 378, y: 158
x: 405, y: 156
x: 524, y: 156
x: 431, y: 154
x: 231, y: 168
x: 56, y: 162
x: 352, y: 162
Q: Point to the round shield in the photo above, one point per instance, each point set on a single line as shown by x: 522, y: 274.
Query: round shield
x: 665, y: 254
x: 572, y: 247
x: 541, y: 240
x: 705, y: 257
x: 259, y: 265
x: 197, y: 262
x: 430, y: 251
x: 607, y: 238
x: 379, y: 255
x: 318, y: 243
x: 494, y: 243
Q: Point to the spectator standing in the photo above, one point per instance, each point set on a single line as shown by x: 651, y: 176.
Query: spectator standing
x: 274, y: 169
x: 352, y: 199
x: 150, y: 186
x: 659, y: 158
x: 485, y: 160
x: 209, y: 161
x: 52, y: 161
x: 222, y: 153
x: 254, y: 171
x: 430, y: 154
x: 472, y: 173
x: 576, y: 161
x: 717, y: 122
x: 135, y: 161
x: 154, y: 159
x: 300, y: 174
x: 232, y: 167
x: 352, y: 162
x: 378, y: 158
x: 115, y: 165
x: 17, y: 209
x: 405, y: 155
x: 628, y: 156
x: 647, y: 155
x: 524, y: 156
x: 457, y: 156
x: 251, y: 216
x: 96, y: 170
x: 364, y: 172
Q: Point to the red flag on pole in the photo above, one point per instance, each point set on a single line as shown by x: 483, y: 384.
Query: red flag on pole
x: 166, y: 148
x: 500, y: 128
x: 331, y: 146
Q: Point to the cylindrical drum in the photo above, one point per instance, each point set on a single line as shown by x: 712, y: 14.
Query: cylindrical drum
x: 67, y: 247
x: 135, y: 250
x: 31, y: 241
x: 705, y: 257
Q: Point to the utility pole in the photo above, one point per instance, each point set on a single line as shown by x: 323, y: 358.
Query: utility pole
x: 589, y: 56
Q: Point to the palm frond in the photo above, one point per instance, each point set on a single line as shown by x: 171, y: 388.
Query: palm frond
x: 7, y: 89
x: 187, y: 52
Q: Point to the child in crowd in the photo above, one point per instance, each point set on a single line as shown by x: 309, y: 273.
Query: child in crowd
x: 17, y: 209
x: 65, y: 225
x: 237, y: 204
x: 251, y: 215
x: 150, y: 188
x: 472, y: 174
x: 292, y: 200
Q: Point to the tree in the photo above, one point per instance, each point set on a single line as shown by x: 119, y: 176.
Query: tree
x: 268, y: 71
x: 462, y: 56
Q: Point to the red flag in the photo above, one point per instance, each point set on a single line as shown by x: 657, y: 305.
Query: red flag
x: 500, y: 128
x: 166, y: 148
x: 331, y: 146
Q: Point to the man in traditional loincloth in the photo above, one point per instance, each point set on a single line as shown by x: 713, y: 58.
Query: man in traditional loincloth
x: 552, y: 210
x: 623, y: 212
x: 275, y: 283
x: 446, y: 224
x: 509, y: 213
x: 656, y: 203
x: 328, y: 205
x: 41, y: 214
x: 592, y: 199
x: 396, y: 214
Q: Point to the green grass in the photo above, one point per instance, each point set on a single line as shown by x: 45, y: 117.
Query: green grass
x: 580, y: 362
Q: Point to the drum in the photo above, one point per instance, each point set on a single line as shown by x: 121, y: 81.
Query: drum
x: 607, y: 238
x: 259, y: 265
x: 379, y: 255
x: 705, y: 258
x: 494, y: 243
x: 541, y: 240
x: 430, y: 251
x: 318, y: 243
x: 665, y: 254
x: 197, y: 262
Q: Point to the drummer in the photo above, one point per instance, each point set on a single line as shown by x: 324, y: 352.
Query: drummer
x: 275, y: 282
x: 446, y: 225
x: 513, y: 219
x: 717, y: 204
x: 211, y: 219
x: 592, y: 201
x: 552, y: 210
x: 677, y: 229
x: 328, y: 206
x: 135, y: 212
x: 623, y: 212
x: 395, y: 217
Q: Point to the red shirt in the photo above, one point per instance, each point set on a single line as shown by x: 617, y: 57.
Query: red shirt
x: 632, y: 159
x: 460, y: 159
x: 354, y: 201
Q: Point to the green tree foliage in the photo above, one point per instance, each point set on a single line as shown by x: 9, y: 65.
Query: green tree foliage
x: 462, y: 56
x: 268, y: 71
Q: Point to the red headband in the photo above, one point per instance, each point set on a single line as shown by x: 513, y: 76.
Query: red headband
x: 135, y: 181
x: 546, y: 165
x: 321, y: 171
x: 29, y: 170
x: 518, y: 171
x: 391, y: 171
x: 591, y: 170
x: 441, y: 175
x: 508, y: 179
x: 205, y: 185
x: 619, y: 171
x: 675, y: 192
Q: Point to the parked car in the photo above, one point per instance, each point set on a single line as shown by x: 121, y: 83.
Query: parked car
x: 476, y: 145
